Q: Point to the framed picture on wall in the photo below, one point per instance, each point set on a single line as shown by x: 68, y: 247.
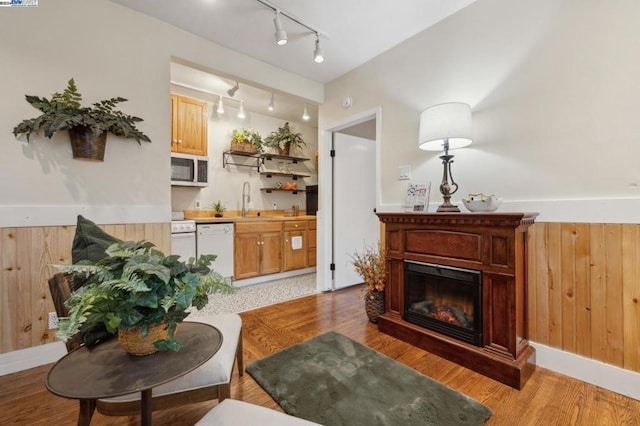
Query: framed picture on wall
x: 417, y: 197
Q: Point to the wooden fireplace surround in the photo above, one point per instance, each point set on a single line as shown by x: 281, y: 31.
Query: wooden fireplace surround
x: 493, y: 243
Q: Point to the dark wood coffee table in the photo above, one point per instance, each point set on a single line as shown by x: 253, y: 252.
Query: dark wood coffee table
x: 107, y: 370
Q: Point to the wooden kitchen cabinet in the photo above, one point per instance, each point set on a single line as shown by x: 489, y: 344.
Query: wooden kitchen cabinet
x: 295, y: 258
x: 188, y: 126
x: 257, y: 249
x: 311, y: 243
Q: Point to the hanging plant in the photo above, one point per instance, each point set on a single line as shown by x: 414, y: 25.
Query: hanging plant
x: 86, y: 125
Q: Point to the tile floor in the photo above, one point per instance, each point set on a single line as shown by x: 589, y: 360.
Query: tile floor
x: 258, y: 295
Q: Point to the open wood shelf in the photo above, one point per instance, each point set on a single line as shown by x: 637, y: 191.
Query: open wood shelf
x: 294, y: 175
x: 269, y: 190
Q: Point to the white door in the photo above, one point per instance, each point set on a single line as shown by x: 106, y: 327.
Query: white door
x: 355, y: 223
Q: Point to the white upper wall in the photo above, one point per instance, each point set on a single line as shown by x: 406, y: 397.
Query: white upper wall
x: 110, y: 51
x: 553, y: 88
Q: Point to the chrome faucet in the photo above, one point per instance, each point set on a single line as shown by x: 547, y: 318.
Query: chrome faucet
x: 246, y: 196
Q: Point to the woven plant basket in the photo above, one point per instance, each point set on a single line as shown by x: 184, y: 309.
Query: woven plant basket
x: 85, y: 145
x: 243, y: 147
x: 374, y: 305
x: 133, y: 342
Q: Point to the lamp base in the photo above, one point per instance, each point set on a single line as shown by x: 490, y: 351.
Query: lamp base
x: 448, y: 208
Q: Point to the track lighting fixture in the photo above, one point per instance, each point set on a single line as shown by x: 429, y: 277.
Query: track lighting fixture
x: 241, y: 114
x: 318, y: 54
x: 220, y: 109
x: 234, y: 89
x: 281, y: 34
x: 272, y: 103
x: 305, y: 114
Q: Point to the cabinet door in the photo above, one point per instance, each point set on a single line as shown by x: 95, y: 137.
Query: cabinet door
x: 246, y: 259
x: 311, y: 245
x: 294, y: 258
x: 271, y: 246
x: 174, y: 123
x: 191, y: 123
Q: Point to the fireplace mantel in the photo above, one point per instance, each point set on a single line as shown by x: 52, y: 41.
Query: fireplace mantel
x: 493, y: 243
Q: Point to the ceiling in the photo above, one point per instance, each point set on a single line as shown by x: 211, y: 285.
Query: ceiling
x: 352, y: 32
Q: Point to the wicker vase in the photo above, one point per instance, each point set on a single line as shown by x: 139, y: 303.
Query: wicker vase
x: 86, y: 145
x: 135, y: 343
x: 374, y: 305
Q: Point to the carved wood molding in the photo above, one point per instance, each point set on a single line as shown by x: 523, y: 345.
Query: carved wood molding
x: 471, y: 219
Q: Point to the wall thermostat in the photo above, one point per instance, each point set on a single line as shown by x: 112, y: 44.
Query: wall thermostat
x: 347, y: 102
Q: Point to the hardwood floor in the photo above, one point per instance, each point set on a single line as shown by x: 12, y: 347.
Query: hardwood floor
x: 547, y: 398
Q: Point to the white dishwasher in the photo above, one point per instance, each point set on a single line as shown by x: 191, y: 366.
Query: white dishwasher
x: 217, y: 238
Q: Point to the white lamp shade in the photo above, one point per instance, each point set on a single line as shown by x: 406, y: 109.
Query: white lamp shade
x: 450, y: 121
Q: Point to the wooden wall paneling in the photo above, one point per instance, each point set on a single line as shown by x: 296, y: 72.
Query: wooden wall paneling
x: 39, y: 251
x: 9, y: 316
x: 554, y: 262
x: 614, y: 290
x: 568, y: 284
x: 598, y: 292
x: 531, y: 298
x: 631, y: 295
x: 542, y: 284
x: 582, y: 325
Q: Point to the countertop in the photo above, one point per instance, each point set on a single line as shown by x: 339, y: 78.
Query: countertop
x: 250, y: 218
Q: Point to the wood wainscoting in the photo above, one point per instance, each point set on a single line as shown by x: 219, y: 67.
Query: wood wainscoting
x: 586, y: 297
x: 27, y: 255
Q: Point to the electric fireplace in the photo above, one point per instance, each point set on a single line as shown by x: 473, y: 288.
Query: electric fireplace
x: 444, y: 299
x: 456, y: 286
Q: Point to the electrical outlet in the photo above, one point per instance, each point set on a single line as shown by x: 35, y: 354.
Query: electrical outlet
x: 53, y: 321
x: 198, y: 204
x: 275, y: 206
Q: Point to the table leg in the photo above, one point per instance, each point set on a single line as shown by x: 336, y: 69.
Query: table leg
x: 87, y: 407
x: 145, y: 399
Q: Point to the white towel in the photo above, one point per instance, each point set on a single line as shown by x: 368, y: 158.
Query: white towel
x: 296, y: 243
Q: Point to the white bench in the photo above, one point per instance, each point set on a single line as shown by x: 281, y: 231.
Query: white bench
x: 231, y: 412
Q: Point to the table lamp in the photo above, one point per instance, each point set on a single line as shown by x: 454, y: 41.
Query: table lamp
x: 444, y: 127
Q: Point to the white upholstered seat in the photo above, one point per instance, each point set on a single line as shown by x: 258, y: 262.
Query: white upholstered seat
x: 231, y: 412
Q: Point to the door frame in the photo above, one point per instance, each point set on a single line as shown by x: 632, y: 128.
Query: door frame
x: 325, y: 193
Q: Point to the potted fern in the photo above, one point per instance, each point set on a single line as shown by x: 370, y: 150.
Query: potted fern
x: 139, y: 292
x: 284, y: 138
x: 87, y: 126
x: 219, y: 208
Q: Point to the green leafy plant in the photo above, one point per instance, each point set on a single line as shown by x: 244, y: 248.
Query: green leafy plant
x: 64, y: 111
x: 248, y: 136
x: 218, y: 207
x: 137, y: 285
x: 284, y: 136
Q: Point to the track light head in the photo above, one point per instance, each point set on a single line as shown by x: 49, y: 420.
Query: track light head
x: 233, y: 90
x: 220, y: 109
x: 281, y: 34
x: 305, y: 114
x: 272, y: 103
x: 318, y: 54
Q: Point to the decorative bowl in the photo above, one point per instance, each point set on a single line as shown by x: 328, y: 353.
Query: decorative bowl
x: 482, y: 203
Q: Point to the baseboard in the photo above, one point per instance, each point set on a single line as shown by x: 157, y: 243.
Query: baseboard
x: 24, y: 359
x: 615, y: 379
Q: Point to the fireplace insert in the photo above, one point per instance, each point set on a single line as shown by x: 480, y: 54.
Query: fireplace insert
x: 444, y: 299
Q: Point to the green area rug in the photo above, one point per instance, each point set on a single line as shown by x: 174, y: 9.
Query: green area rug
x: 333, y: 380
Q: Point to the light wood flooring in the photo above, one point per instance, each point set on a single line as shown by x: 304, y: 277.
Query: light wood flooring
x: 548, y: 398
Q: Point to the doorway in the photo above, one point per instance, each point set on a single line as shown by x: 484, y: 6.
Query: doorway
x: 349, y: 196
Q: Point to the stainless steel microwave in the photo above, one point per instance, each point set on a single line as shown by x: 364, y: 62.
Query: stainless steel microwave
x: 189, y: 170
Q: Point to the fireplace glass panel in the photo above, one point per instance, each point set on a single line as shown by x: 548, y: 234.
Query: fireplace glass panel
x: 444, y: 299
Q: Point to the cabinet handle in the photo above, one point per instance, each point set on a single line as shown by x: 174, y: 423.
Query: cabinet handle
x: 179, y: 140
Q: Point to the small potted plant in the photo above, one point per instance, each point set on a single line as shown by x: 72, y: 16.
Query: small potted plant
x: 87, y: 126
x: 138, y: 291
x: 370, y: 265
x: 219, y: 208
x: 284, y: 138
x: 246, y: 140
